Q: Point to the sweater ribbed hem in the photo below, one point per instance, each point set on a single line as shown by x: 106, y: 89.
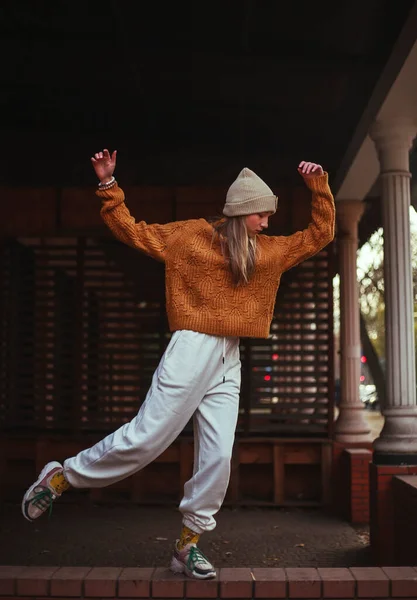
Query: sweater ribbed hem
x: 318, y: 183
x: 111, y: 197
x: 211, y: 326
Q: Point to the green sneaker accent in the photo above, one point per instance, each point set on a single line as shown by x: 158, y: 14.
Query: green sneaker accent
x: 39, y: 497
x: 191, y: 561
x: 43, y: 500
x: 195, y: 557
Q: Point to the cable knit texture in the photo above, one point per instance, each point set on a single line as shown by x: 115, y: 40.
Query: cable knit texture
x: 200, y: 294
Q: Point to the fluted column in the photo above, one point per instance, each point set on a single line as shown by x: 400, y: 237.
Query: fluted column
x: 351, y: 425
x: 398, y: 440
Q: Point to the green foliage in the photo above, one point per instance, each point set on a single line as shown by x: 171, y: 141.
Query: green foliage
x: 371, y: 287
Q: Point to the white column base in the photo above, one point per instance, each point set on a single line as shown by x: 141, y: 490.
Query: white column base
x: 399, y: 434
x: 351, y: 426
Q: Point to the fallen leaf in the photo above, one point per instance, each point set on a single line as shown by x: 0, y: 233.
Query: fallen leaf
x: 299, y: 545
x: 161, y: 539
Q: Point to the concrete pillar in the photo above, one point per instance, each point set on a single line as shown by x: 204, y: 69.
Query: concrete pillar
x: 397, y: 443
x: 351, y: 426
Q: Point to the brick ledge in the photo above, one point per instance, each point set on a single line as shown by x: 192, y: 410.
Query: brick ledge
x: 113, y: 582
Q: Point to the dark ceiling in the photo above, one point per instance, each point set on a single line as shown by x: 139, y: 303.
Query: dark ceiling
x: 188, y: 93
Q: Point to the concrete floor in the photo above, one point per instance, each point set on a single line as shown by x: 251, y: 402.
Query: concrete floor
x: 131, y: 535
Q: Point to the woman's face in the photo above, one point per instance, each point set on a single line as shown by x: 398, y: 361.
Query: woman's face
x: 257, y: 222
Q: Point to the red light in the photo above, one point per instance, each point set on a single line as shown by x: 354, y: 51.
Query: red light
x: 362, y: 377
x: 275, y: 357
x: 363, y: 359
x: 267, y: 378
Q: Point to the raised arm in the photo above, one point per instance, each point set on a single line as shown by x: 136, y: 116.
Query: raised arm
x: 152, y: 239
x: 320, y: 232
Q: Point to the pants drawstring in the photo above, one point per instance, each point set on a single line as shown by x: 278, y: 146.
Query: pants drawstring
x: 224, y: 356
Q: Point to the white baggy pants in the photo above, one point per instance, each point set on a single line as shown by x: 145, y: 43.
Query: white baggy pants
x: 198, y: 375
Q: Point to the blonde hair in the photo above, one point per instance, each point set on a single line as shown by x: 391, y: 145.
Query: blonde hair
x: 238, y: 248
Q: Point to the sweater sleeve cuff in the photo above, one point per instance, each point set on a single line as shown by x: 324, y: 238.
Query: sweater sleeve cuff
x: 111, y: 197
x: 319, y: 183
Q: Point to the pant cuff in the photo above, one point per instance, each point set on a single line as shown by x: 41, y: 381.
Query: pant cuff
x: 71, y: 478
x: 196, y: 528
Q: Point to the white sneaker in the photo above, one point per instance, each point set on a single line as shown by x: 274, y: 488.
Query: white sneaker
x: 191, y: 561
x: 47, y: 488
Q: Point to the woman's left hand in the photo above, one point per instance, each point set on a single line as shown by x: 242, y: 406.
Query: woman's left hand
x: 309, y: 169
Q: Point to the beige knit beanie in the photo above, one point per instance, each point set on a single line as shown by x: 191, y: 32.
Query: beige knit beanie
x: 248, y: 194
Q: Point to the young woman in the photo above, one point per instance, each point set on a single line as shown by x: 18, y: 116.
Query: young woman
x: 221, y: 284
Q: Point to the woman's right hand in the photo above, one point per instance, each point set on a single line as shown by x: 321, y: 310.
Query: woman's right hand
x: 104, y: 165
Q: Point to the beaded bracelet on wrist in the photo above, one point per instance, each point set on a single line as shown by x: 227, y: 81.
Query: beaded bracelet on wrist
x: 108, y: 185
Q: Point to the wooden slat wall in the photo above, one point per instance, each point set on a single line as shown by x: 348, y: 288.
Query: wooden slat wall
x: 289, y: 377
x: 83, y: 326
x: 78, y: 349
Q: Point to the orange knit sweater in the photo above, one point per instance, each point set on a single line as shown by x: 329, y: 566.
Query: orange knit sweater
x: 200, y: 294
